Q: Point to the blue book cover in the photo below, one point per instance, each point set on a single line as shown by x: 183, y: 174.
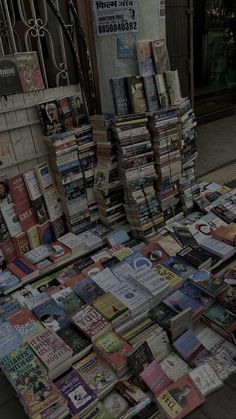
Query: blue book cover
x: 204, y: 280
x: 9, y: 308
x: 88, y: 290
x: 7, y: 280
x: 9, y: 339
x: 179, y: 267
x: 179, y: 301
x: 136, y: 260
x: 190, y: 348
x: 197, y: 295
x: 51, y: 315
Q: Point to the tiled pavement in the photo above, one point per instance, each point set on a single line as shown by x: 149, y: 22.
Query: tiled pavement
x: 217, y: 148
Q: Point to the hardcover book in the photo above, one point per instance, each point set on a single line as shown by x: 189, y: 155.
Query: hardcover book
x: 120, y: 95
x: 180, y: 398
x: 29, y: 378
x: 51, y: 315
x: 96, y: 373
x: 76, y: 392
x: 22, y: 204
x: 90, y: 322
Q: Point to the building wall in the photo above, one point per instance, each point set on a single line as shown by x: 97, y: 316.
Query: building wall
x: 151, y: 26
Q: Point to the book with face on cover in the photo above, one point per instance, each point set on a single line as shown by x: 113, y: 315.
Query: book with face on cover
x: 90, y: 322
x: 29, y: 377
x: 77, y: 393
x: 180, y: 398
x: 97, y: 373
x: 51, y: 315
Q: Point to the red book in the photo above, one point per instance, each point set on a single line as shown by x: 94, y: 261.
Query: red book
x: 70, y: 282
x: 21, y: 244
x: 113, y: 349
x: 90, y: 322
x: 8, y: 249
x: 154, y: 252
x: 155, y: 378
x: 180, y: 398
x: 22, y: 204
x: 59, y: 251
x: 22, y: 269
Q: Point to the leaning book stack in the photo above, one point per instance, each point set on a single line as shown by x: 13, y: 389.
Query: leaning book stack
x: 137, y: 174
x: 107, y: 185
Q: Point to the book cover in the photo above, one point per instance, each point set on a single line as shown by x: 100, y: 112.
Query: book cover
x: 88, y: 290
x: 9, y: 76
x: 98, y: 412
x: 59, y: 251
x: 179, y: 301
x: 21, y: 244
x: 206, y: 379
x: 120, y: 96
x: 190, y: 348
x: 196, y: 257
x: 22, y: 204
x: 116, y: 404
x: 161, y: 56
x: 76, y: 392
x: 180, y: 398
x: 155, y: 378
x: 66, y: 113
x: 92, y: 269
x: 40, y: 211
x: 33, y: 238
x: 8, y: 250
x: 53, y: 204
x: 22, y: 269
x: 51, y: 315
x: 78, y: 108
x: 90, y: 321
x: 50, y: 118
x: 130, y: 391
x: 45, y: 234
x: 67, y: 300
x: 159, y: 344
x: 44, y: 175
x: 109, y: 306
x: 8, y: 307
x: 227, y: 298
x: 179, y: 267
x: 113, y: 349
x: 7, y: 280
x: 221, y: 316
x: 10, y: 339
x: 204, y: 280
x: 24, y: 294
x: 31, y: 185
x: 151, y: 94
x: 46, y: 284
x: 185, y: 236
x: 50, y: 348
x: 10, y: 218
x: 162, y: 314
x: 145, y: 59
x: 174, y: 366
x: 197, y: 294
x: 39, y: 253
x: 58, y: 227
x: 96, y: 373
x: 29, y: 71
x: 29, y: 377
x: 140, y: 358
x: 154, y: 252
x: 26, y: 324
x: 76, y: 340
x: 136, y: 94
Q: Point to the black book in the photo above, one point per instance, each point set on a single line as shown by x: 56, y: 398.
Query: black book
x: 83, y: 263
x: 185, y: 237
x: 120, y: 95
x: 9, y: 76
x: 140, y: 358
x: 40, y: 211
x: 110, y: 262
x: 197, y: 257
x: 79, y: 343
x: 162, y: 314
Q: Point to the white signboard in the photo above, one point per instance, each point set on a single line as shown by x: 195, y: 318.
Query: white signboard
x: 115, y: 17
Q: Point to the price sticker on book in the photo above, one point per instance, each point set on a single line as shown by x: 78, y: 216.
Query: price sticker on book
x: 115, y: 17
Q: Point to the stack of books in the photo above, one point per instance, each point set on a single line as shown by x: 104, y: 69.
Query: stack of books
x: 188, y: 185
x: 163, y: 126
x: 137, y: 174
x: 107, y: 185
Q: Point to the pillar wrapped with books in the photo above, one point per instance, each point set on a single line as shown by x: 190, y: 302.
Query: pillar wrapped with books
x: 137, y: 174
x: 108, y: 189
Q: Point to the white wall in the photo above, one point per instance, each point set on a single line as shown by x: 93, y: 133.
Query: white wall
x: 150, y: 27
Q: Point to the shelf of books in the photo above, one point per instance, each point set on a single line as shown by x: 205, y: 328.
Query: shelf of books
x: 118, y: 267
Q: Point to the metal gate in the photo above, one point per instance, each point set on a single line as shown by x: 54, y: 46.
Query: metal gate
x: 179, y: 33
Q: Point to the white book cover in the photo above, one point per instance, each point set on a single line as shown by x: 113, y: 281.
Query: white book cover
x: 71, y: 240
x: 222, y: 364
x: 53, y: 204
x: 149, y: 280
x: 39, y: 253
x: 218, y: 247
x: 107, y: 280
x: 174, y: 366
x: 31, y: 185
x: 209, y: 338
x: 206, y: 379
x: 10, y: 218
x: 25, y: 294
x: 44, y: 175
x: 160, y: 345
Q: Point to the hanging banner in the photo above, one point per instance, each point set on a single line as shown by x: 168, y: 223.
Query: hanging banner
x: 115, y: 17
x: 162, y: 9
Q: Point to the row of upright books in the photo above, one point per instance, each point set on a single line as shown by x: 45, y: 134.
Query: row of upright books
x: 122, y: 332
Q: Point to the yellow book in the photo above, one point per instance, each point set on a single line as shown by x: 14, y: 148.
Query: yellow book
x: 109, y: 306
x: 33, y: 237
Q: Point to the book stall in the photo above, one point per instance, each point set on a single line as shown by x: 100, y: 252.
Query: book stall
x: 118, y: 268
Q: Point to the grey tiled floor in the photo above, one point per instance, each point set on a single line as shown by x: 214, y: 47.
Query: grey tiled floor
x: 217, y: 148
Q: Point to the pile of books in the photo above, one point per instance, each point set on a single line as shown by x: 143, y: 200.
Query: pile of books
x: 125, y: 330
x: 107, y: 185
x: 164, y: 129
x: 137, y: 174
x: 188, y: 185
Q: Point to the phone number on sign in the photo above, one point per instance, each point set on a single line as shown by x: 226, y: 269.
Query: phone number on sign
x: 117, y: 27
